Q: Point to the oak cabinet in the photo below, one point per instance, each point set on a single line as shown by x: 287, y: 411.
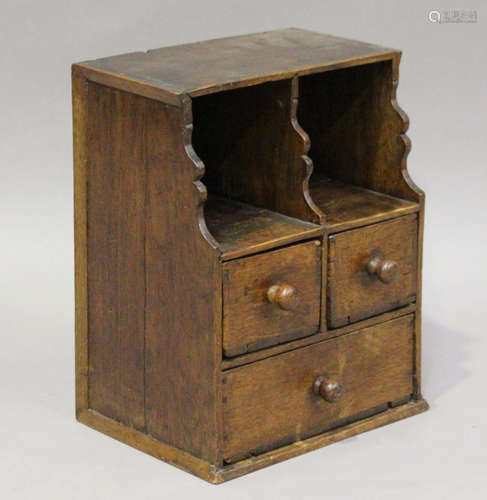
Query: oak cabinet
x: 248, y: 248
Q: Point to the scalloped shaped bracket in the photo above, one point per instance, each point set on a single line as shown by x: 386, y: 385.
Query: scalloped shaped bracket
x: 405, y: 126
x: 199, y: 171
x: 316, y: 215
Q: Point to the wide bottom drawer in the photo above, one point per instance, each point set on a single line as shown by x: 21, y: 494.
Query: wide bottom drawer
x: 304, y: 392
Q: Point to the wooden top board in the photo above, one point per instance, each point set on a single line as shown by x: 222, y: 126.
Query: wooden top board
x: 207, y: 67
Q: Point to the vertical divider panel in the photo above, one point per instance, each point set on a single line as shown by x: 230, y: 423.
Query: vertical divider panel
x: 301, y: 148
x: 317, y: 214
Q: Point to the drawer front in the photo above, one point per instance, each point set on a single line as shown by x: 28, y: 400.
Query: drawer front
x: 304, y: 392
x: 271, y: 297
x: 372, y: 270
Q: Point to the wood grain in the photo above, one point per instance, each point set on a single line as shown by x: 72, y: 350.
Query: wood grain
x: 116, y: 233
x: 217, y: 475
x: 154, y: 310
x: 299, y: 140
x: 304, y: 205
x: 242, y: 229
x: 251, y: 357
x: 348, y: 207
x: 216, y: 65
x: 419, y: 301
x: 148, y: 444
x: 297, y: 448
x: 253, y: 149
x: 353, y: 293
x: 356, y: 130
x: 183, y: 288
x: 403, y: 126
x: 80, y: 93
x: 250, y: 320
x: 270, y: 403
x: 421, y: 198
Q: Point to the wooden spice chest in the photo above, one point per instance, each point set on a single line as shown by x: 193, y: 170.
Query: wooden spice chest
x: 248, y: 249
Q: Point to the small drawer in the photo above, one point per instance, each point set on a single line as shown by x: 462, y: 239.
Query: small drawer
x: 271, y: 297
x: 304, y: 392
x: 372, y: 270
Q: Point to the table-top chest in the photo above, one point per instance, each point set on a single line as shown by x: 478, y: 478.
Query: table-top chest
x: 248, y: 248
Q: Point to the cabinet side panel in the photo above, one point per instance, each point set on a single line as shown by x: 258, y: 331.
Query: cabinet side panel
x: 418, y: 328
x: 154, y: 283
x: 183, y: 280
x: 116, y: 282
x: 80, y: 92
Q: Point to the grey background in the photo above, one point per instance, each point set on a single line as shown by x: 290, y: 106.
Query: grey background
x: 44, y: 453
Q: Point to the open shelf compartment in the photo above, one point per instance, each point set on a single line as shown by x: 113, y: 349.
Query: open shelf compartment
x: 242, y: 229
x: 358, y: 146
x: 347, y: 206
x: 262, y: 190
x: 255, y: 172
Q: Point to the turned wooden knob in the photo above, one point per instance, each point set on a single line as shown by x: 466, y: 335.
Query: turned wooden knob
x: 386, y: 270
x: 329, y: 388
x: 283, y: 296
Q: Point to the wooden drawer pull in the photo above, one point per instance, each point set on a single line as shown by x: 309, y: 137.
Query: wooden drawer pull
x: 386, y: 270
x: 283, y: 296
x: 330, y: 389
